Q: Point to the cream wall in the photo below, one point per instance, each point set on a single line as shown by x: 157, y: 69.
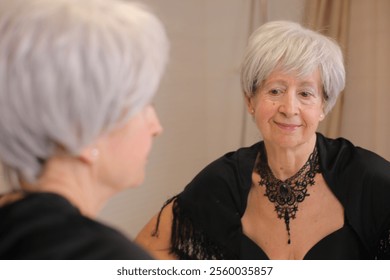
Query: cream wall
x: 199, y: 102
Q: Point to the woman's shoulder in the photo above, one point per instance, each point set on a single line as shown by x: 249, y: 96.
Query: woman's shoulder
x: 342, y: 154
x: 105, y: 242
x: 352, y: 171
x: 360, y: 178
x: 47, y: 226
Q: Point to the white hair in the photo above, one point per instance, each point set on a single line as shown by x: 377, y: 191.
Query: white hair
x: 70, y: 70
x: 293, y: 48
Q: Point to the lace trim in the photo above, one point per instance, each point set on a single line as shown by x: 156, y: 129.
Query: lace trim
x: 187, y: 241
x: 383, y: 251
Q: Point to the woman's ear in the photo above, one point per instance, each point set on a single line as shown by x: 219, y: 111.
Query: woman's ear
x: 89, y: 155
x: 250, y: 106
x: 322, y: 115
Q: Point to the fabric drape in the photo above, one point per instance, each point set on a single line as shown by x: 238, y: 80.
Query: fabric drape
x: 365, y: 115
x: 362, y: 29
x: 331, y: 17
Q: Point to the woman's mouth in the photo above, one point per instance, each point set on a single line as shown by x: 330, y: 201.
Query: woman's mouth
x: 287, y: 126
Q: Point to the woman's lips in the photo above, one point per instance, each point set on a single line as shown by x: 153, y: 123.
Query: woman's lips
x: 287, y: 126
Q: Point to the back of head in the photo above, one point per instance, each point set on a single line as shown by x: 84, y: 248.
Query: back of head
x: 292, y: 47
x: 69, y: 71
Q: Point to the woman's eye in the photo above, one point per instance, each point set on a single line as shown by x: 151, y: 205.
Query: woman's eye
x: 275, y: 91
x: 305, y: 94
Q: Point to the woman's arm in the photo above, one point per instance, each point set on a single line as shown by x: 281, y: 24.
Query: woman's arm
x: 157, y: 241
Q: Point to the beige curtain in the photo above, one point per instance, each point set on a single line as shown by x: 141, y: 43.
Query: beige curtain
x: 363, y: 29
x: 366, y: 118
x: 331, y: 17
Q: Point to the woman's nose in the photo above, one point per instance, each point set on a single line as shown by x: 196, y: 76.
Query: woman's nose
x: 289, y: 105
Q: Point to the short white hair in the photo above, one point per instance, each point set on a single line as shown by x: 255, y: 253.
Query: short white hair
x: 293, y: 48
x: 70, y: 70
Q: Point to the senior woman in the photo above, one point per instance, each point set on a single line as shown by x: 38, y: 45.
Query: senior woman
x: 76, y: 122
x: 296, y: 194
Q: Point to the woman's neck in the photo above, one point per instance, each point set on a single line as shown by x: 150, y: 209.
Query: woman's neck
x: 74, y: 181
x: 285, y: 162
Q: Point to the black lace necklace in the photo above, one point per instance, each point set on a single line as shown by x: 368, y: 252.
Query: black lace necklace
x: 287, y: 194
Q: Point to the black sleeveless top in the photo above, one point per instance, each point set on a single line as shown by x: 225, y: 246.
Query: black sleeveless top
x: 342, y: 244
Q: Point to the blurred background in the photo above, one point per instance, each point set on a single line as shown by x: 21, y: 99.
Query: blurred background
x: 200, y: 103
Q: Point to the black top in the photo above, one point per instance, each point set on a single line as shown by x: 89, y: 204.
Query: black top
x: 46, y: 226
x: 343, y: 244
x: 207, y: 214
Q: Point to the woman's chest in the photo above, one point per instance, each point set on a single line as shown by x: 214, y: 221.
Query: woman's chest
x: 286, y: 224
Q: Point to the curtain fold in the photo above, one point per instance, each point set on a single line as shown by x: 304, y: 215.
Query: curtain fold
x: 363, y: 30
x: 366, y: 119
x: 330, y: 17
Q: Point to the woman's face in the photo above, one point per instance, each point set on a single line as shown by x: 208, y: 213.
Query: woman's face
x: 124, y: 151
x: 287, y: 108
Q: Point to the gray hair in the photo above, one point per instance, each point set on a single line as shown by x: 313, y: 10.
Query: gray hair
x: 70, y: 70
x: 293, y: 48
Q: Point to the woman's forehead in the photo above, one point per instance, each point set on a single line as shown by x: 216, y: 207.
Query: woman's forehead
x: 282, y: 75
